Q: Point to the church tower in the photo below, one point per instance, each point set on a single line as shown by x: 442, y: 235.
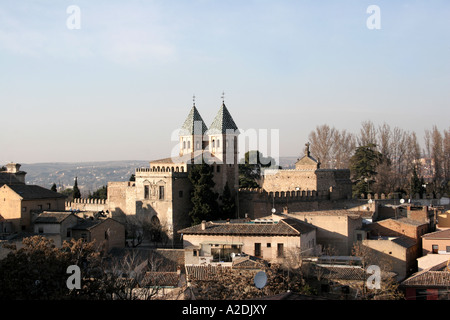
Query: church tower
x: 191, y: 133
x: 222, y: 138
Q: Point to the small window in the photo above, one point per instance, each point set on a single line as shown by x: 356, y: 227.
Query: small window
x: 161, y: 192
x: 218, y: 143
x: 41, y: 229
x: 280, y: 249
x: 40, y: 207
x: 218, y: 168
x: 49, y: 206
x: 146, y: 192
x: 258, y: 250
x: 24, y: 209
x: 435, y: 248
x: 189, y: 144
x: 214, y: 143
x: 269, y: 245
x: 195, y: 253
x: 447, y: 248
x: 68, y: 234
x: 184, y: 144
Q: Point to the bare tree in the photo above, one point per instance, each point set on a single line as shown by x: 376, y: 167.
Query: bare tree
x: 322, y: 143
x: 367, y: 134
x: 344, y: 145
x: 332, y: 147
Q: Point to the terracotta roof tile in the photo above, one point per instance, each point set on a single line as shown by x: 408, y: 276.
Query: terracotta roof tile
x: 285, y: 227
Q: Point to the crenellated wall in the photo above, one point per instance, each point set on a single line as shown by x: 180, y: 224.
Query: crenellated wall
x: 257, y: 203
x: 87, y: 205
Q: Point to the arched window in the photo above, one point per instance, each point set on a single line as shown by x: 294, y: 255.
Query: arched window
x: 182, y: 169
x: 218, y: 143
x: 189, y: 144
x: 214, y: 143
x: 177, y: 169
x: 184, y: 144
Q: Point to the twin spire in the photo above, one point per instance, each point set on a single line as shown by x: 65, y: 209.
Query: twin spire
x: 194, y: 124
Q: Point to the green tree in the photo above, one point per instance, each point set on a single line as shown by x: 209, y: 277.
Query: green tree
x: 101, y: 193
x: 76, y: 192
x: 53, y: 188
x: 203, y: 197
x: 38, y: 270
x: 363, y: 167
x: 228, y: 206
x: 417, y: 184
x: 250, y: 168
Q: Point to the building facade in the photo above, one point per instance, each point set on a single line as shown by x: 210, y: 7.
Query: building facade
x: 162, y: 191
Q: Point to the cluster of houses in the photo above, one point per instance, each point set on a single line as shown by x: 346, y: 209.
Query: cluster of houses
x: 410, y: 242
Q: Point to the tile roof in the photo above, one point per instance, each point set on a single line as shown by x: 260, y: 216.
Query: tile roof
x: 222, y: 122
x: 193, y: 124
x: 345, y: 272
x: 161, y: 279
x: 32, y: 192
x: 285, y: 227
x: 248, y: 262
x: 53, y: 217
x: 429, y: 278
x: 205, y: 272
x: 441, y: 234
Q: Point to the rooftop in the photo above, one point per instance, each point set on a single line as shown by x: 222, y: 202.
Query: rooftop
x: 436, y: 276
x: 52, y: 217
x: 441, y: 234
x: 32, y: 192
x: 222, y: 122
x: 284, y: 227
x: 193, y: 124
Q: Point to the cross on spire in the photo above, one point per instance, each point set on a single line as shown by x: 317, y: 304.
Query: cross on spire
x: 193, y: 100
x: 223, y: 97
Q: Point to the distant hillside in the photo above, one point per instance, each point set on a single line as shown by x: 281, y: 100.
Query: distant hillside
x: 93, y: 175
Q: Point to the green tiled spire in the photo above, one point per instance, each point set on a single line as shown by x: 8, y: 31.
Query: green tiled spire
x: 222, y: 122
x: 189, y: 124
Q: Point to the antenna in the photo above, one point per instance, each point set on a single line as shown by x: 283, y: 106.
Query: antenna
x: 260, y: 280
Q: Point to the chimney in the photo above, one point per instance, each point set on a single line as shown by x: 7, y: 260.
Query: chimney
x: 12, y: 167
x: 203, y: 225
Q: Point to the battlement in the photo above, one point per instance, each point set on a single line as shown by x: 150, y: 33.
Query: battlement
x: 301, y: 195
x: 86, y: 201
x: 162, y: 169
x: 95, y: 205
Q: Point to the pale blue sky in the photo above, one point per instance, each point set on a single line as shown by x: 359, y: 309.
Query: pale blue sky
x: 118, y: 87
